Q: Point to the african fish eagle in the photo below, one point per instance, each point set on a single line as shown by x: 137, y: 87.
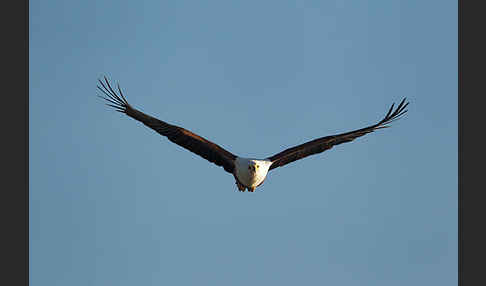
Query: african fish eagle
x: 249, y: 173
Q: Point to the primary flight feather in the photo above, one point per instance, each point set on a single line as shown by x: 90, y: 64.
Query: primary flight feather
x: 249, y: 173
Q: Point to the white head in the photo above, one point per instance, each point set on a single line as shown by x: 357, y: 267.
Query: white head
x: 251, y: 172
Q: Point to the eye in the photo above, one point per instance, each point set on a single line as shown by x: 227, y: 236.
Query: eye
x: 257, y: 166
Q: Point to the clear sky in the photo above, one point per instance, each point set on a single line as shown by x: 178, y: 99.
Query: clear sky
x: 114, y: 203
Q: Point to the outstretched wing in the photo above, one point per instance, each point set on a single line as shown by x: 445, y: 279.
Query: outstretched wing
x: 322, y: 144
x: 182, y: 137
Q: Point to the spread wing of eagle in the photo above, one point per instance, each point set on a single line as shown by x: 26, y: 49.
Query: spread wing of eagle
x: 249, y: 173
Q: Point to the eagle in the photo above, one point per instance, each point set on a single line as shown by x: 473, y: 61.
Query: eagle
x: 249, y: 173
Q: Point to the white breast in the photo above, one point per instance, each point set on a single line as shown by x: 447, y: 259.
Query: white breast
x: 248, y: 178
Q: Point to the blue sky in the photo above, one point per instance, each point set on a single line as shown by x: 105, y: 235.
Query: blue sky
x: 114, y: 203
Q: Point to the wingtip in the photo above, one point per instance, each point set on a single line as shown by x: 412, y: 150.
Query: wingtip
x: 117, y: 101
x: 394, y: 114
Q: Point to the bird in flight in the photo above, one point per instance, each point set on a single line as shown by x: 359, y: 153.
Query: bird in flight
x: 249, y: 173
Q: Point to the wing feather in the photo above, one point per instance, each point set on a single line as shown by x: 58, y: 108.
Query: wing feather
x: 324, y: 143
x: 182, y: 137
